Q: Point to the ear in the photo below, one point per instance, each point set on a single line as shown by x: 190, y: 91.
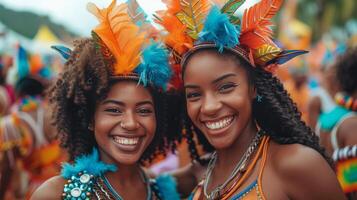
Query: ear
x: 91, y: 126
x: 252, y: 92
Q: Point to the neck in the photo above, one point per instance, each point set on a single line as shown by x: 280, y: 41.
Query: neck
x: 131, y: 173
x: 228, y: 158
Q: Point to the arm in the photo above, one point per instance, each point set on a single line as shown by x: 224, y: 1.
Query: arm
x: 306, y: 175
x: 185, y: 179
x: 51, y: 189
x: 314, y: 109
x: 347, y: 132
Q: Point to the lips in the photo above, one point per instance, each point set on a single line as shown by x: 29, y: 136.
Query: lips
x: 125, y: 140
x: 127, y: 144
x: 219, y: 124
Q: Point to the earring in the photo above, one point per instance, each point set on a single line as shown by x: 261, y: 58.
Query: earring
x: 259, y: 98
x: 90, y: 127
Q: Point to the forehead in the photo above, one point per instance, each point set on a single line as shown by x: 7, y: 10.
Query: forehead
x: 208, y: 65
x: 129, y: 91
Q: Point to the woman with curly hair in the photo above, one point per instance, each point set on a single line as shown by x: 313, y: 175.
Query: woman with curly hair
x: 112, y: 114
x: 342, y: 140
x: 241, y: 113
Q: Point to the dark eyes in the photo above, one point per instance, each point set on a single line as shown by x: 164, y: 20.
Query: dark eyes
x: 113, y: 110
x: 145, y: 111
x: 140, y: 111
x: 227, y: 87
x: 191, y: 95
x: 224, y: 88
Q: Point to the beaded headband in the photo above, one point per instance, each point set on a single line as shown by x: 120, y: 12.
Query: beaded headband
x: 125, y: 39
x: 197, y: 24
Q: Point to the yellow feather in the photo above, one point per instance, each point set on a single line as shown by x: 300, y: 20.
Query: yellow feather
x: 192, y: 14
x: 120, y: 35
x: 266, y: 53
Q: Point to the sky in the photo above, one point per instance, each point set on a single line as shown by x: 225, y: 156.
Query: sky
x: 73, y: 13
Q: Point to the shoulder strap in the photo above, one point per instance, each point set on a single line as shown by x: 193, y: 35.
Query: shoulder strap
x: 334, y: 139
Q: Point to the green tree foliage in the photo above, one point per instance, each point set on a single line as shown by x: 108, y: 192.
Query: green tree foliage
x: 27, y: 23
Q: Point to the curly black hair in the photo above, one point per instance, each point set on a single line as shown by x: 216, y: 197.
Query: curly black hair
x: 277, y: 114
x: 346, y: 69
x: 84, y: 82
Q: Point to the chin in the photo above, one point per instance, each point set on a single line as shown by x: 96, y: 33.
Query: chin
x: 127, y: 159
x: 220, y: 143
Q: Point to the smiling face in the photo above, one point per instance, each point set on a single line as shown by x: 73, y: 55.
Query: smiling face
x: 219, y: 97
x: 125, y: 123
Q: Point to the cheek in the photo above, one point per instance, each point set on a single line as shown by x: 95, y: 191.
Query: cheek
x: 192, y: 110
x: 150, y: 125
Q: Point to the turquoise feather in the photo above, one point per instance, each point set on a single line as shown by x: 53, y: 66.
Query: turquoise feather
x: 167, y: 187
x: 220, y: 30
x: 89, y: 163
x: 154, y: 68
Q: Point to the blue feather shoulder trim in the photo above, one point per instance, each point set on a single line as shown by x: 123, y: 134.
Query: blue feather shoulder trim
x: 89, y: 163
x: 167, y: 187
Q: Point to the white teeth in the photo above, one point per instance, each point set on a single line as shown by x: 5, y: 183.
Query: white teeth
x: 126, y: 141
x: 219, y: 124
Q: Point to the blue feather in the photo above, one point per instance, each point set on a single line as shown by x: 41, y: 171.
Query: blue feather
x: 23, y: 66
x: 89, y: 163
x: 167, y: 187
x: 64, y: 51
x: 154, y: 68
x: 285, y: 56
x: 220, y: 30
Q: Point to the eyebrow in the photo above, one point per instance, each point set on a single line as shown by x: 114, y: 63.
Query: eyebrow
x: 223, y: 77
x: 213, y: 82
x: 111, y: 101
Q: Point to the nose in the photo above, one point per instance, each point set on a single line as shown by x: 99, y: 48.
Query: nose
x: 210, y: 105
x: 129, y: 122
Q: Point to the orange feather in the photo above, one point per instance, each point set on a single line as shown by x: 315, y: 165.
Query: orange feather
x: 176, y: 36
x: 120, y: 35
x: 256, y: 23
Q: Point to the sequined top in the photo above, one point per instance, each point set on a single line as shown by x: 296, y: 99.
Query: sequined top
x: 86, y: 180
x: 253, y: 191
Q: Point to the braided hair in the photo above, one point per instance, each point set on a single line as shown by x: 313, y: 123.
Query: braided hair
x: 276, y: 114
x: 84, y: 82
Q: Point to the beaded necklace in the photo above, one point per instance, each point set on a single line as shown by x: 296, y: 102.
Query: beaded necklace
x: 238, y: 169
x: 29, y: 103
x: 346, y: 101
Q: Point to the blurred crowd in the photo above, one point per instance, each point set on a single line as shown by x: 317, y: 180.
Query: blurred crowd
x: 323, y: 84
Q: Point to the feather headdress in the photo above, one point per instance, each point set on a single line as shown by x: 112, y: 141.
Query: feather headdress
x: 123, y: 38
x: 195, y: 24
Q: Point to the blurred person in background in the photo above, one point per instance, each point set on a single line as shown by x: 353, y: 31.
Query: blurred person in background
x: 343, y: 136
x: 32, y: 151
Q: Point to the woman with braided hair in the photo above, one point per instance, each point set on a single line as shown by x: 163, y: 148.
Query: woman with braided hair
x: 241, y: 113
x: 112, y: 113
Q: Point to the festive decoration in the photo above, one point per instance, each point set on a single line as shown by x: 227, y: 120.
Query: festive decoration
x: 122, y: 37
x: 196, y: 24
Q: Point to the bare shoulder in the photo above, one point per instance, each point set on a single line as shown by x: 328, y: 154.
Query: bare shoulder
x: 304, y: 172
x: 51, y: 189
x: 347, y: 131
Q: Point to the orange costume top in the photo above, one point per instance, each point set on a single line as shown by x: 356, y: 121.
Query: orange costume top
x: 254, y: 191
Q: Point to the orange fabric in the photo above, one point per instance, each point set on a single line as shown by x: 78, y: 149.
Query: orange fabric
x: 250, y: 168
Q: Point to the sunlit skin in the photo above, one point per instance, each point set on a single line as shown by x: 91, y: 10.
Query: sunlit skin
x: 218, y: 87
x: 127, y: 112
x: 222, y: 92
